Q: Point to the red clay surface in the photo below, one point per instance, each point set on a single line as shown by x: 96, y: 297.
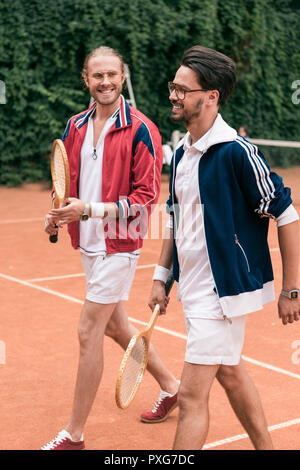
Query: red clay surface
x: 39, y: 331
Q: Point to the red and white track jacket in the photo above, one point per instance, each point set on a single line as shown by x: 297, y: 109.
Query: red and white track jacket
x: 131, y: 174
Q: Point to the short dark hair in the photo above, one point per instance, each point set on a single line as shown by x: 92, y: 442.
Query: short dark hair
x: 215, y: 70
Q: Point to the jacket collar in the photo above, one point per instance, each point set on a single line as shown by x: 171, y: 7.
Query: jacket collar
x: 83, y: 118
x: 124, y: 118
x: 219, y: 132
x: 123, y: 115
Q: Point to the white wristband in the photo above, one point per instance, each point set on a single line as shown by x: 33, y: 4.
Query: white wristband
x: 288, y: 216
x: 160, y: 274
x: 97, y: 209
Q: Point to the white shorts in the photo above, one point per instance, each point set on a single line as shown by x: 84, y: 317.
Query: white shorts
x: 108, y: 278
x: 215, y: 341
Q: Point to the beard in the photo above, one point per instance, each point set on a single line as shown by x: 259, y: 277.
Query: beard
x: 186, y: 115
x: 174, y: 118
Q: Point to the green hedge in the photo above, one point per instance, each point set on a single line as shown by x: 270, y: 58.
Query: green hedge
x: 43, y: 45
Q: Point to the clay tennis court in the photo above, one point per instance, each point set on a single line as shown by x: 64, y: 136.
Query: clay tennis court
x: 42, y: 290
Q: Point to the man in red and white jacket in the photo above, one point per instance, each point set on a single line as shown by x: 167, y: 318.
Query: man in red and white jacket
x: 115, y: 158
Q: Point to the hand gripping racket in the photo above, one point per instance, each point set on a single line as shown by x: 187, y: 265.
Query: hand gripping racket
x: 60, y: 176
x: 135, y: 359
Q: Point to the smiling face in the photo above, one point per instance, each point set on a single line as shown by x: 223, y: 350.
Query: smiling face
x: 104, y: 77
x: 187, y: 109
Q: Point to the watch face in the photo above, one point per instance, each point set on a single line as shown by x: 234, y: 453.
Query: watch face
x: 84, y: 217
x: 294, y: 294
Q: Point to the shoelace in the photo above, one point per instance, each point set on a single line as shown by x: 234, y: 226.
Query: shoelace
x: 161, y: 397
x: 56, y: 441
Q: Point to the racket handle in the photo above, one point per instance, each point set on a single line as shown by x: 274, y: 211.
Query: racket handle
x: 53, y: 238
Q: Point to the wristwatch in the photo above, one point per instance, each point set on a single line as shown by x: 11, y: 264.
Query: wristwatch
x: 85, y: 215
x: 291, y: 294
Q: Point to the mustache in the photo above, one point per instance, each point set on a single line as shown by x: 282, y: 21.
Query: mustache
x: 177, y: 103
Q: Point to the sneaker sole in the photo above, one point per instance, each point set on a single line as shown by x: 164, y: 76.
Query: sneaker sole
x: 153, y: 421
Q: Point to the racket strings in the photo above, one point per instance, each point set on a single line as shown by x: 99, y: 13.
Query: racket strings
x: 60, y: 173
x: 133, y: 371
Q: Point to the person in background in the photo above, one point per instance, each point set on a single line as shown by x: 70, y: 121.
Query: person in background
x: 242, y: 131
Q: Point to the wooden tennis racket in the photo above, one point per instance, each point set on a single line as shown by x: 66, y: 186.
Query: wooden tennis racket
x: 135, y: 359
x: 60, y: 176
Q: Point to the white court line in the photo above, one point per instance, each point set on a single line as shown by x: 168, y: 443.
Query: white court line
x: 145, y: 266
x: 78, y: 301
x: 66, y: 276
x: 15, y: 221
x: 54, y: 278
x: 245, y: 358
x: 270, y: 367
x: 239, y: 437
x: 178, y: 335
x: 164, y: 330
x: 43, y: 289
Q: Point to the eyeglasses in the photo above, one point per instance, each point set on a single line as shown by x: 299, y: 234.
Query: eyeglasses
x: 179, y: 91
x: 100, y: 77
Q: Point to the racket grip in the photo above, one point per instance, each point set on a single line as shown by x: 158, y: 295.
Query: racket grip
x: 53, y: 238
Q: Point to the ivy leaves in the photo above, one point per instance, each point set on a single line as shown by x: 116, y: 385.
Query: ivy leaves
x: 43, y: 44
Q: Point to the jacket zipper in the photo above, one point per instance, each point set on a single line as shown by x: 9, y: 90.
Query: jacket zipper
x: 227, y: 318
x: 242, y: 249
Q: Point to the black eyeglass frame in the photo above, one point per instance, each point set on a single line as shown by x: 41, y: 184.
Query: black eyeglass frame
x: 172, y: 87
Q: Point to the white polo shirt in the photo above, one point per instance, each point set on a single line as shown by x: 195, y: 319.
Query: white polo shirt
x: 196, y: 282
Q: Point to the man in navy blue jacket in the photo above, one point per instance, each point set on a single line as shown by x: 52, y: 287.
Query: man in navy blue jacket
x: 222, y: 195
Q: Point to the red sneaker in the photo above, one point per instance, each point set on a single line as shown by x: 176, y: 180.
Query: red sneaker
x: 165, y: 404
x: 63, y: 441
